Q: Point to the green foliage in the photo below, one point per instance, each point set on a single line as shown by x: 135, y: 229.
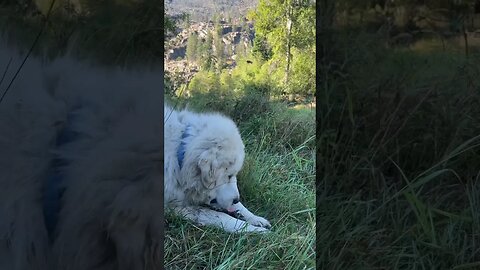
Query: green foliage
x: 192, y: 45
x: 219, y: 53
x: 261, y: 48
x: 302, y: 80
x: 286, y: 26
x: 204, y: 82
x: 304, y: 30
x: 168, y: 25
x: 241, y: 93
x: 240, y: 50
x: 271, y: 22
x: 206, y: 53
x: 219, y: 47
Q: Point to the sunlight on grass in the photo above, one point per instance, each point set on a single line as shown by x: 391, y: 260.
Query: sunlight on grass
x: 276, y: 182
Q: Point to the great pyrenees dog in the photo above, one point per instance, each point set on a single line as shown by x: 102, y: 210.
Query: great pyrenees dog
x: 203, y: 155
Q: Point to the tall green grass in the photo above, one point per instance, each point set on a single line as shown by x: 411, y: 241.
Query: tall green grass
x: 398, y: 158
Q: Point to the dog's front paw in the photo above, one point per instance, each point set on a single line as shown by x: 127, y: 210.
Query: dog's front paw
x: 256, y: 229
x: 259, y: 222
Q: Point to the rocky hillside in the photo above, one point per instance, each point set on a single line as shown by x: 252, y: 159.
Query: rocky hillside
x: 233, y: 38
x: 203, y: 10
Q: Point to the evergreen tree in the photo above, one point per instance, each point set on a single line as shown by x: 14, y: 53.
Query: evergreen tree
x: 239, y: 50
x: 207, y: 53
x: 219, y: 48
x: 168, y: 24
x: 261, y: 48
x: 192, y: 44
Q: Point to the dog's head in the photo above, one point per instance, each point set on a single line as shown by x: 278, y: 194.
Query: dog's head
x: 219, y: 167
x: 214, y: 158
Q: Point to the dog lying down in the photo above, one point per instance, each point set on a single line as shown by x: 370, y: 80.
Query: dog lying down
x: 203, y: 155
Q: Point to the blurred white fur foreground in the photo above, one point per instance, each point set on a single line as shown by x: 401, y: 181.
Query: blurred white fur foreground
x: 110, y: 174
x: 203, y: 155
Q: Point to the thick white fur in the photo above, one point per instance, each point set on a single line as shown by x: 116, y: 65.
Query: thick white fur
x: 214, y: 154
x: 111, y: 209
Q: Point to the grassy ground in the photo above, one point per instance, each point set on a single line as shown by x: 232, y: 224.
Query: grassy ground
x: 276, y: 182
x: 398, y: 158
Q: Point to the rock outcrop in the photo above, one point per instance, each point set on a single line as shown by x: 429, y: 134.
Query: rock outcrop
x: 232, y: 35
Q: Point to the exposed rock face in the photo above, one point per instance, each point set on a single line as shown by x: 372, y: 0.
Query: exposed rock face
x: 177, y: 52
x: 232, y: 35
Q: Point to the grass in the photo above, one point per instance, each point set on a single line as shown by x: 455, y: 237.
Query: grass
x: 276, y: 182
x: 398, y: 158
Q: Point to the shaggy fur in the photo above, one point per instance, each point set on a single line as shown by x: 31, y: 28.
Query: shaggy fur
x: 111, y: 209
x: 204, y: 189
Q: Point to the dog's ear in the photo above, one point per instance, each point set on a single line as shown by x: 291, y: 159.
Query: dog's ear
x: 208, y: 164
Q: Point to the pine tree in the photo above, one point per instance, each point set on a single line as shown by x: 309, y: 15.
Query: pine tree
x: 192, y: 44
x: 207, y: 53
x: 261, y: 48
x: 219, y: 48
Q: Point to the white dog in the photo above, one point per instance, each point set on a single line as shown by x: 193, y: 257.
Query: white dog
x: 203, y: 155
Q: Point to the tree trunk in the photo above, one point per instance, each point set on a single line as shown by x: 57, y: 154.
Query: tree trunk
x: 289, y: 45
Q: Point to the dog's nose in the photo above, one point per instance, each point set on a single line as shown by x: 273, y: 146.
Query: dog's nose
x: 236, y: 200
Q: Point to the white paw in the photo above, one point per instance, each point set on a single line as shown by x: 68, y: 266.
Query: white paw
x: 259, y: 222
x: 255, y: 229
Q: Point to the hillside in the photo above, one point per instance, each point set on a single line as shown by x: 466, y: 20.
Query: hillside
x: 235, y: 40
x: 203, y: 10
